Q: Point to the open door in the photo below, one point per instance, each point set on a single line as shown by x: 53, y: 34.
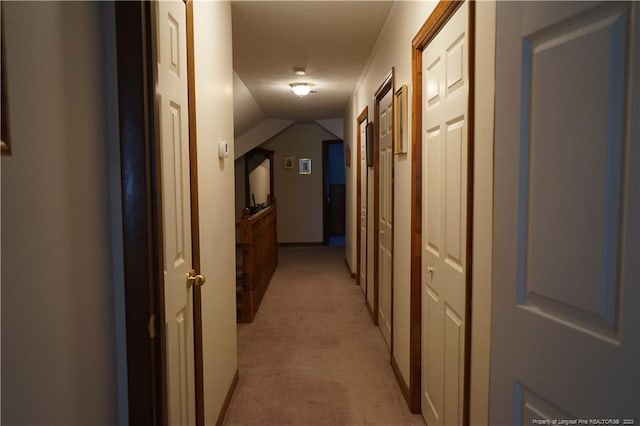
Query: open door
x: 160, y: 213
x: 334, y: 192
x: 180, y: 278
x: 565, y: 324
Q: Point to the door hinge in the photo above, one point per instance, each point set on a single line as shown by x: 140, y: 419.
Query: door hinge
x: 152, y: 326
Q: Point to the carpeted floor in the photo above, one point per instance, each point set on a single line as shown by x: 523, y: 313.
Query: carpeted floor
x: 312, y: 356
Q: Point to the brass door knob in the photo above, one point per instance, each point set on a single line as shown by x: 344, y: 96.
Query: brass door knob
x: 194, y: 279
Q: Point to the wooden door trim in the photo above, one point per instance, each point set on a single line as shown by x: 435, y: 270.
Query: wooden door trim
x: 140, y: 215
x: 325, y: 205
x: 363, y: 117
x: 443, y: 11
x: 387, y: 85
x: 195, y: 217
x: 471, y: 99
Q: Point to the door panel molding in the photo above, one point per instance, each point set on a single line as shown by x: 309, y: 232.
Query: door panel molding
x: 443, y: 11
x: 567, y: 187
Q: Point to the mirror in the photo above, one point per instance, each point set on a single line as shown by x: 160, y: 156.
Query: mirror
x: 258, y: 179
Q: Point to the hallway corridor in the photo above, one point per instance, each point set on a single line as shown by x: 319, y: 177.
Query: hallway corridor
x: 312, y: 356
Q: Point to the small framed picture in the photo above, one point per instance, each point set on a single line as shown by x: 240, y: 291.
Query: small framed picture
x: 305, y: 166
x: 347, y: 156
x: 401, y: 137
x: 288, y: 162
x: 370, y: 144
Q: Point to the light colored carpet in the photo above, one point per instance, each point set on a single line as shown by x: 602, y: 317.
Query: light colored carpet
x: 312, y: 356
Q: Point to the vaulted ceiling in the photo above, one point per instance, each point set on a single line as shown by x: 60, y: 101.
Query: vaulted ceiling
x: 331, y: 39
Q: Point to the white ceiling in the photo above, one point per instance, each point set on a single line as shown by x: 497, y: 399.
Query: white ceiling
x: 331, y: 39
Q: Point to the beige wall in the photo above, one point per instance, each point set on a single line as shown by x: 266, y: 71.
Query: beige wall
x: 58, y: 340
x: 117, y: 246
x: 246, y: 111
x: 299, y: 196
x: 393, y: 48
x: 259, y: 134
x: 334, y: 125
x: 214, y: 104
x: 482, y: 210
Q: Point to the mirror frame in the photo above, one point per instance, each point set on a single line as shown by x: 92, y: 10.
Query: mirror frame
x: 267, y: 154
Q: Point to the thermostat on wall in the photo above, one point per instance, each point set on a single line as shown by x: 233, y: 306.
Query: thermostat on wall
x: 223, y: 149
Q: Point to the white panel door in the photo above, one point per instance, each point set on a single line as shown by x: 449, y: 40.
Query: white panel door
x: 171, y: 93
x: 444, y: 213
x: 363, y: 205
x: 370, y: 298
x: 385, y: 226
x: 565, y: 324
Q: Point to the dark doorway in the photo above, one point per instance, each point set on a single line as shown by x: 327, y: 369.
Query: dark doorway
x: 333, y: 192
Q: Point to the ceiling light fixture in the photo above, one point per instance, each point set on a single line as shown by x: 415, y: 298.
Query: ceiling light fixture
x: 300, y: 71
x: 301, y: 89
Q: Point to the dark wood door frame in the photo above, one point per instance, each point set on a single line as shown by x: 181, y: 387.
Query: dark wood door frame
x: 387, y: 85
x: 443, y: 11
x: 142, y: 213
x: 325, y: 204
x: 142, y: 271
x: 195, y: 217
x: 362, y: 118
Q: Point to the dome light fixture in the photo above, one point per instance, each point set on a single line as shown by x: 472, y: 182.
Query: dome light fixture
x: 301, y: 89
x: 300, y: 71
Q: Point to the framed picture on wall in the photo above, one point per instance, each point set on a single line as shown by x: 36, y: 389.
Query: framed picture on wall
x: 401, y: 112
x: 288, y: 162
x: 347, y: 156
x: 305, y: 166
x: 370, y: 144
